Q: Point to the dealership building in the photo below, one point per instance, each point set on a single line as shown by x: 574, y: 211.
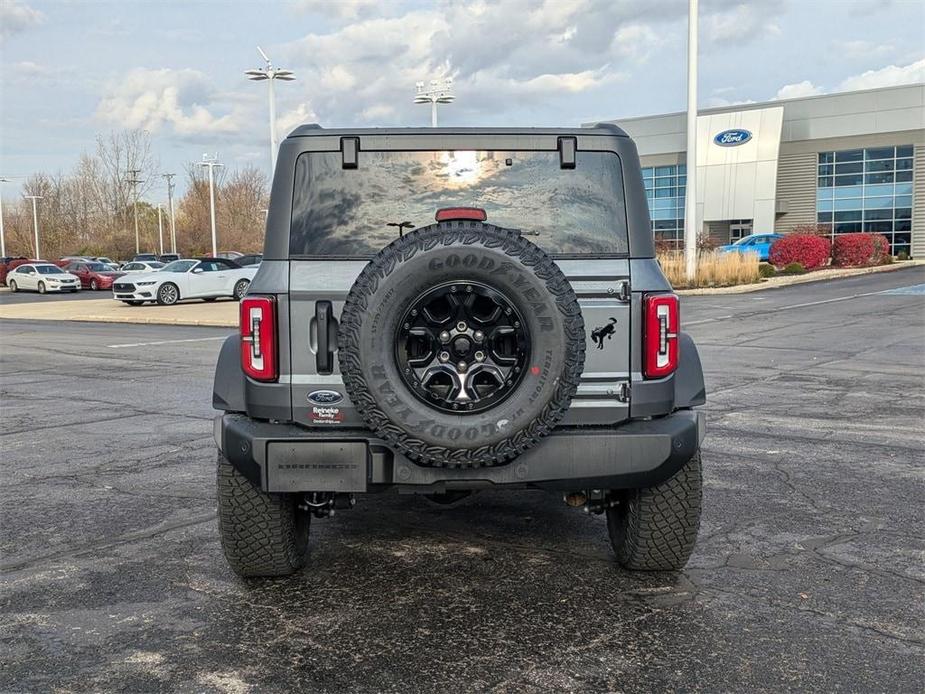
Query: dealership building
x: 850, y: 162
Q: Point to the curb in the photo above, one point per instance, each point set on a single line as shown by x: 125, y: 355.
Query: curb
x: 818, y: 276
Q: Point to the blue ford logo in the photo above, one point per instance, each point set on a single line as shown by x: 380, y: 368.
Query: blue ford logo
x: 324, y: 397
x: 731, y: 138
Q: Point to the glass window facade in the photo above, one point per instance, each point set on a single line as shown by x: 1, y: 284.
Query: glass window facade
x: 867, y: 190
x: 665, y: 190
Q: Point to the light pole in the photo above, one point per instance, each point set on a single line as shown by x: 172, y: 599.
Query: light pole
x: 35, y: 222
x: 211, y: 162
x: 134, y: 180
x: 173, y: 221
x: 160, y: 230
x: 270, y: 73
x: 2, y: 237
x: 437, y: 93
x: 690, y: 200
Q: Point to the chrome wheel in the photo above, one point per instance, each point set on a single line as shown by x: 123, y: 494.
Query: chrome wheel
x: 168, y: 294
x: 462, y: 347
x: 240, y: 289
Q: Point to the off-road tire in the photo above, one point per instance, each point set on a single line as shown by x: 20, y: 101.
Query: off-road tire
x: 655, y: 528
x: 13, y: 287
x: 262, y: 534
x: 403, y: 270
x: 240, y: 289
x: 42, y: 288
x: 165, y: 297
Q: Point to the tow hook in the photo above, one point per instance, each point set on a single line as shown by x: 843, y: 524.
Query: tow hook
x: 594, y: 501
x: 324, y: 504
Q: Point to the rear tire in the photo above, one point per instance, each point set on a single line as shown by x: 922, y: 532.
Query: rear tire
x: 654, y: 529
x: 262, y: 534
x: 240, y: 289
x: 13, y: 287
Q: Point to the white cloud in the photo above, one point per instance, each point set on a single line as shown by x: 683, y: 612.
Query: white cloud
x: 16, y: 17
x: 862, y: 49
x: 341, y: 9
x: 888, y: 76
x: 287, y: 122
x: 153, y: 99
x: 741, y: 22
x: 798, y: 89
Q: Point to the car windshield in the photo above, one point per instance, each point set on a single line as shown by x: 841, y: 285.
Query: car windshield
x: 744, y: 241
x: 179, y: 266
x: 355, y: 212
x: 155, y: 266
x: 49, y: 270
x: 98, y: 267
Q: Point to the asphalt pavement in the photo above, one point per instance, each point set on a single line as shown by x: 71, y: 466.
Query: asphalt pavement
x: 27, y: 297
x: 808, y: 574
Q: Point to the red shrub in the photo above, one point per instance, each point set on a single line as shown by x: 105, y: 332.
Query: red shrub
x: 860, y: 249
x: 810, y: 250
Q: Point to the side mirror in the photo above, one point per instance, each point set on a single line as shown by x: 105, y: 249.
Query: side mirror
x: 198, y: 270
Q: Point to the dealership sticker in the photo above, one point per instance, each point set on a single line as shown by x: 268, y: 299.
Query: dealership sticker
x: 326, y: 415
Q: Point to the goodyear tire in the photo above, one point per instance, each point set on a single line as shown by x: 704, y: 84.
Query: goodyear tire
x: 262, y: 534
x: 654, y: 529
x: 501, y: 269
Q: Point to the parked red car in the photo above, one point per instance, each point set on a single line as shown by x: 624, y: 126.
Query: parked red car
x: 11, y: 263
x: 92, y: 274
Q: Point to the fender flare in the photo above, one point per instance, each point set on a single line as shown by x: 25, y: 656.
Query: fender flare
x: 689, y: 388
x: 228, y: 386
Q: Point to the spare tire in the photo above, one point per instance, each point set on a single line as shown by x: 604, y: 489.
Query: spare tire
x: 461, y: 344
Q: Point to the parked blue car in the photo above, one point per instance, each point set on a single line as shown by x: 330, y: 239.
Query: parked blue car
x: 754, y: 243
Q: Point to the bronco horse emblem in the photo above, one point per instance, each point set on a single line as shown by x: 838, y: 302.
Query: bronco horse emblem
x: 598, y: 334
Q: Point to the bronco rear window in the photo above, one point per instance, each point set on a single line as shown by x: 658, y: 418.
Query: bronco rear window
x: 567, y: 212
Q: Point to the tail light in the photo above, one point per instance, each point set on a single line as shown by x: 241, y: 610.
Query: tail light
x: 258, y: 337
x: 660, y: 335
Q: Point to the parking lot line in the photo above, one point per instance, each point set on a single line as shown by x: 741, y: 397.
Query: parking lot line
x: 165, y: 342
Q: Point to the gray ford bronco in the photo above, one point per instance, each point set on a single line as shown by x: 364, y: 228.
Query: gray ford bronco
x: 441, y: 311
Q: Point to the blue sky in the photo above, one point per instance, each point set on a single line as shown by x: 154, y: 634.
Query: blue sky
x: 72, y: 69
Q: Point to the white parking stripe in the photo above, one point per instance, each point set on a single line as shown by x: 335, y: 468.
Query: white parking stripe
x: 166, y: 342
x: 774, y: 309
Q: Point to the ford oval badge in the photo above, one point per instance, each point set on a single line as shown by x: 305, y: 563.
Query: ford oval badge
x: 732, y: 138
x: 324, y: 397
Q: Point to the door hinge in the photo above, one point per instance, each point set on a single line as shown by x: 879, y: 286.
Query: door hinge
x: 623, y: 392
x: 624, y: 291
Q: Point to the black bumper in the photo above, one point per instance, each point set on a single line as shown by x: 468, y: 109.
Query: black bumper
x: 290, y: 458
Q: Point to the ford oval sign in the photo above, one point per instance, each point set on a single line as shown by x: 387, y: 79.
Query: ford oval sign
x: 324, y: 397
x: 732, y: 138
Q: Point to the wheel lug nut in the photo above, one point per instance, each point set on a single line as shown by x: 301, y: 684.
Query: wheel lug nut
x: 516, y: 323
x: 461, y: 366
x: 480, y: 356
x: 479, y: 336
x: 461, y: 326
x: 444, y: 356
x: 468, y: 287
x: 414, y: 312
x: 444, y: 336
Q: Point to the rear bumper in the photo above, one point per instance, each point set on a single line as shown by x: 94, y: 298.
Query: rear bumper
x: 289, y: 458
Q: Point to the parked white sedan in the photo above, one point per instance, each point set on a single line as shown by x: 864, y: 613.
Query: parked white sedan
x: 41, y: 278
x: 199, y: 278
x: 135, y: 267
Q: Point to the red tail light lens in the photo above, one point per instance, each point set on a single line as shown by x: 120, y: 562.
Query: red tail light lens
x: 448, y: 214
x: 660, y: 335
x: 258, y: 338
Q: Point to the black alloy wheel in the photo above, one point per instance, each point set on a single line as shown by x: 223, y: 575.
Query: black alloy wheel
x: 462, y: 347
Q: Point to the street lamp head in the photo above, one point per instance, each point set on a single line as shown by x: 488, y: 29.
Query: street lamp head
x: 257, y: 75
x: 287, y: 75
